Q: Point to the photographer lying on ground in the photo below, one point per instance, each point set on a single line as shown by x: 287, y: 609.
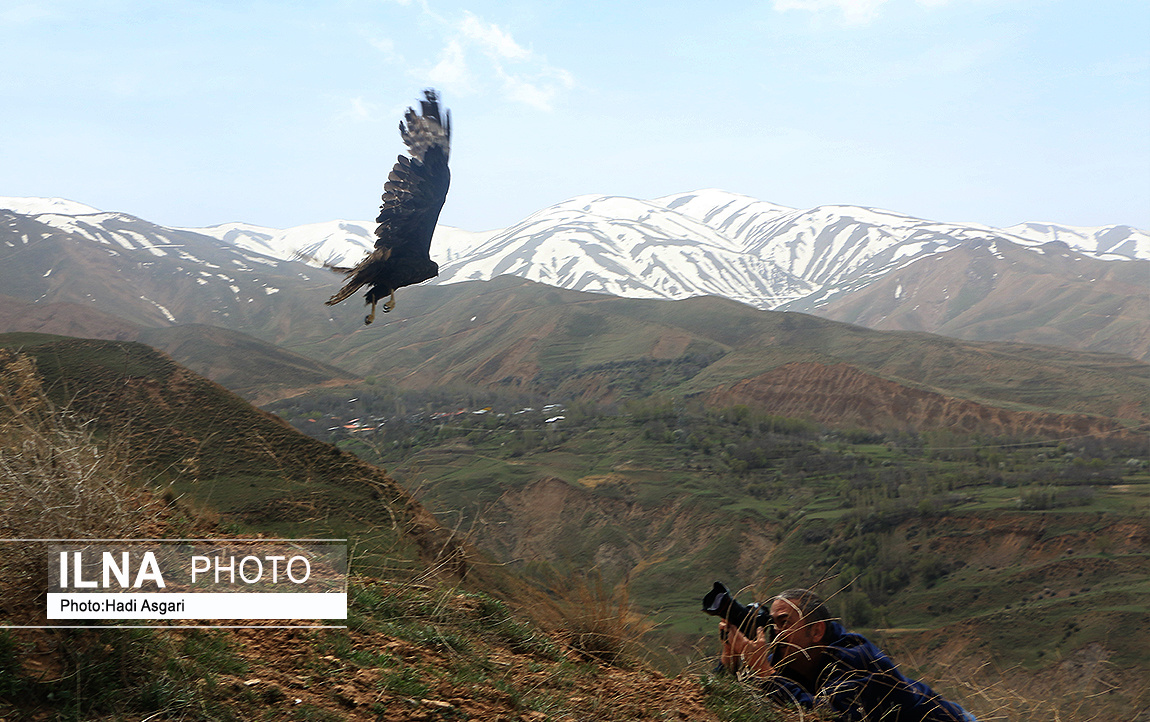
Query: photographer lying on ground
x: 814, y: 662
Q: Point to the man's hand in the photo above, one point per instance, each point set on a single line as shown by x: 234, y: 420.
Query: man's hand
x: 752, y: 653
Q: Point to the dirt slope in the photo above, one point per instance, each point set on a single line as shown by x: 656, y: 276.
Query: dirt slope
x: 842, y: 395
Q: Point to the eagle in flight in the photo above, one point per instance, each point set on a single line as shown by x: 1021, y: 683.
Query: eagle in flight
x: 412, y: 198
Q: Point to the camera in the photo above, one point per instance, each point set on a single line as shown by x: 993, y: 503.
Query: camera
x: 747, y: 617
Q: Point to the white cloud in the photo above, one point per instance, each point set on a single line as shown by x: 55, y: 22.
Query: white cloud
x: 126, y: 85
x: 538, y: 92
x: 491, y: 38
x: 451, y: 71
x: 1122, y: 66
x: 481, y: 56
x: 24, y: 14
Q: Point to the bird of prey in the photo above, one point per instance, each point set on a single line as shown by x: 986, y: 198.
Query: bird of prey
x: 412, y: 198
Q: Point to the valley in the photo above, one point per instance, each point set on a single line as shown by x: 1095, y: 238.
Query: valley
x: 960, y: 498
x: 971, y: 556
x: 896, y: 527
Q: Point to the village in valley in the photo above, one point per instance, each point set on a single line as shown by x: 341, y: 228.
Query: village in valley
x: 360, y: 417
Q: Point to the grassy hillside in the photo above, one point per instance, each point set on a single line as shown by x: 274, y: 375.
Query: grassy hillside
x: 513, y: 334
x: 256, y: 370
x: 661, y: 491
x: 200, y: 443
x: 984, y: 547
x: 563, y: 432
x: 416, y: 645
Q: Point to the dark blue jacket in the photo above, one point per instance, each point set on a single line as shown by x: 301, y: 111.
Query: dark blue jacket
x: 859, y: 683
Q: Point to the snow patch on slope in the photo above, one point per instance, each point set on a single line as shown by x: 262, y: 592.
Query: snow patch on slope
x: 36, y: 206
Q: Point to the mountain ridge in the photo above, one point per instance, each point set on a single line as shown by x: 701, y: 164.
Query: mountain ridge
x: 833, y: 261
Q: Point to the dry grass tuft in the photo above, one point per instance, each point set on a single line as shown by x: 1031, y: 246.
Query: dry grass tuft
x: 1049, y: 696
x: 1071, y: 691
x: 597, y: 620
x: 56, y: 481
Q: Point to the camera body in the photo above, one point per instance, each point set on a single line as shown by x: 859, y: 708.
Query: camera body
x: 748, y: 618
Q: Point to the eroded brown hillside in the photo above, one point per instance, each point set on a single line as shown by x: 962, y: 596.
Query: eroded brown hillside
x: 841, y: 395
x: 550, y: 519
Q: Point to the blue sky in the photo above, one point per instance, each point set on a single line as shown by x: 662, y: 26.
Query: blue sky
x: 282, y: 113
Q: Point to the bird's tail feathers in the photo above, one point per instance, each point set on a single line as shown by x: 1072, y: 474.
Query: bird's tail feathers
x: 348, y: 289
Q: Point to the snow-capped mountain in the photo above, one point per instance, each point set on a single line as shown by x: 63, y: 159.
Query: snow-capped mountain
x: 1109, y: 243
x: 828, y: 245
x: 337, y: 243
x: 627, y: 247
x: 713, y: 242
x: 147, y: 274
x: 708, y: 242
x: 840, y: 249
x: 821, y: 260
x: 33, y: 206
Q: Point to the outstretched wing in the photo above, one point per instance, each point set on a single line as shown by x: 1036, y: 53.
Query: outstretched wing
x: 417, y: 186
x: 412, y: 198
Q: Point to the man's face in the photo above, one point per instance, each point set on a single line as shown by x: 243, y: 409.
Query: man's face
x: 792, y: 633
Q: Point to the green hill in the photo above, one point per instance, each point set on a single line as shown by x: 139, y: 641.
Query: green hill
x: 514, y: 334
x: 417, y: 645
x: 200, y: 443
x: 257, y: 370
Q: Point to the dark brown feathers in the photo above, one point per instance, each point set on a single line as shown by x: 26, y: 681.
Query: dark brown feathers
x: 413, y: 196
